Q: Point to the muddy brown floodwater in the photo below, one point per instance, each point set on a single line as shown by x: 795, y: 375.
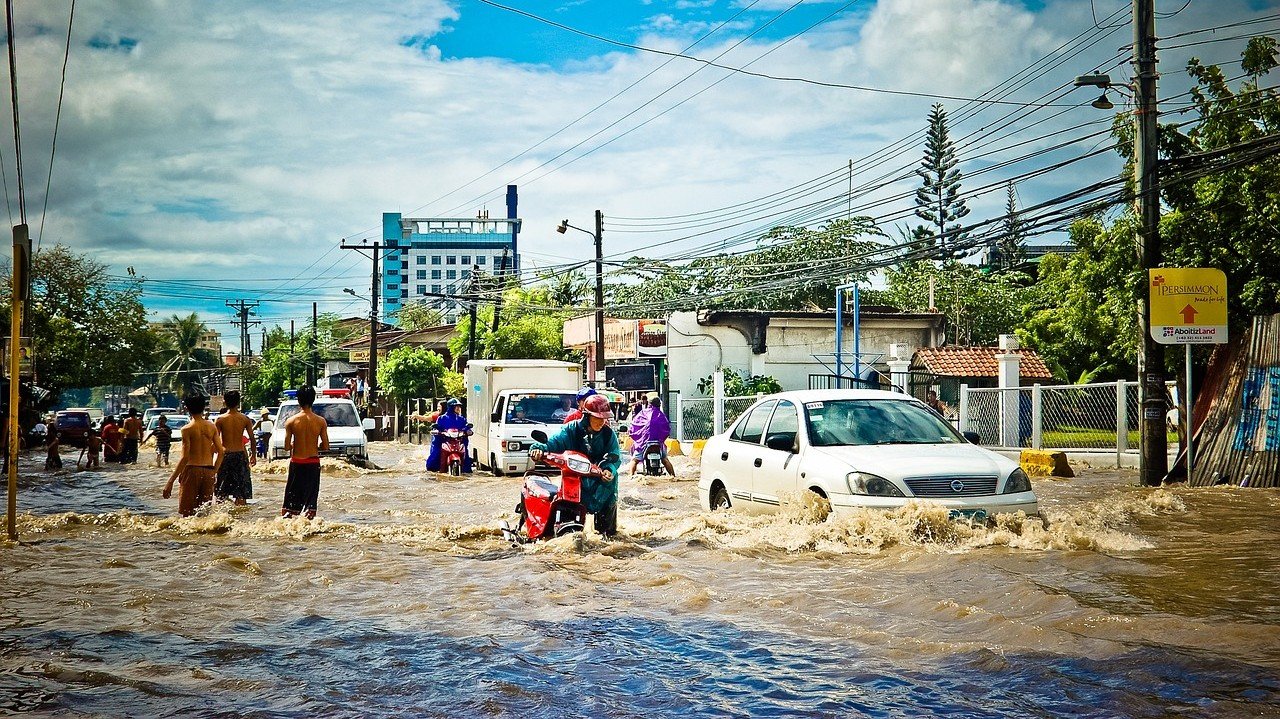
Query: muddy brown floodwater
x: 403, y: 600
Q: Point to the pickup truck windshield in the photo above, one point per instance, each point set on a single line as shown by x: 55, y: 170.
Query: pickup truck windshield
x: 542, y: 407
x: 337, y: 414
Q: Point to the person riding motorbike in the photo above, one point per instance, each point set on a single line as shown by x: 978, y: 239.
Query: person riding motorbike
x: 650, y: 425
x: 452, y: 419
x: 592, y: 436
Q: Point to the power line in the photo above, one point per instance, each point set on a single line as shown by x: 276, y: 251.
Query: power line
x: 13, y: 95
x: 739, y: 70
x: 57, y: 119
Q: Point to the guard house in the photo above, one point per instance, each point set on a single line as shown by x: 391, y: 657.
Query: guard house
x: 430, y: 259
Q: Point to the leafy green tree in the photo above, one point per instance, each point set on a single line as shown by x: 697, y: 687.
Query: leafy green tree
x: 180, y: 353
x: 454, y: 384
x: 274, y: 371
x: 569, y: 289
x: 740, y: 385
x: 419, y: 315
x: 938, y: 200
x: 531, y: 327
x: 86, y: 328
x: 410, y: 372
x: 1013, y: 233
x: 979, y: 307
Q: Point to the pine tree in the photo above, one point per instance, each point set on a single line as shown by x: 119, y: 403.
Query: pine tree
x: 1013, y: 233
x: 938, y: 201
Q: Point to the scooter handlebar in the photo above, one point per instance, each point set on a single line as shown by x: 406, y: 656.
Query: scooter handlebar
x: 573, y: 464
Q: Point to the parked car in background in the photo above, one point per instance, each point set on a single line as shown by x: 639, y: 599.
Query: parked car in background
x: 176, y: 421
x: 95, y: 415
x: 346, y: 430
x: 856, y: 448
x: 73, y: 426
x: 150, y: 412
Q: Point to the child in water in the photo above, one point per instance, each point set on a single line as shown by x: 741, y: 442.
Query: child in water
x: 52, y: 459
x: 93, y: 447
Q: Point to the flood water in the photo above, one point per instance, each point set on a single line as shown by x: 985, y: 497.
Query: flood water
x: 403, y: 600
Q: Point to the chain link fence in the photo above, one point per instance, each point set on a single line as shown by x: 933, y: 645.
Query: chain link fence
x: 696, y: 420
x: 1102, y: 416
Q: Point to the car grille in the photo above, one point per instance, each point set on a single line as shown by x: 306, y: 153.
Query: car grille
x: 947, y: 486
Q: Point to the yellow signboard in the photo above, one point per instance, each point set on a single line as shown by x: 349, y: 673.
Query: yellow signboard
x: 362, y: 356
x: 1188, y: 305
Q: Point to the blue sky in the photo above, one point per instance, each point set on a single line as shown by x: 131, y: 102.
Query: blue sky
x: 230, y: 147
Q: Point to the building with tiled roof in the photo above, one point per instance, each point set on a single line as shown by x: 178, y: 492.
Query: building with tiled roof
x: 978, y: 363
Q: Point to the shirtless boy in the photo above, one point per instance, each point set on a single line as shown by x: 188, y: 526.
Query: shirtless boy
x: 234, y: 480
x: 306, y: 435
x: 132, y: 436
x: 197, y: 468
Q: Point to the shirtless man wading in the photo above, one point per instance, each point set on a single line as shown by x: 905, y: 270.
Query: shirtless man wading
x: 306, y: 435
x: 197, y: 468
x: 234, y: 480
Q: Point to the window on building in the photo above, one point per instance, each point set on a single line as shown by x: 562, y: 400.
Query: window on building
x: 466, y: 274
x: 435, y: 274
x: 422, y: 289
x: 422, y: 274
x: 404, y: 292
x: 451, y: 260
x: 392, y: 288
x: 435, y: 289
x: 451, y: 274
x: 480, y: 260
x: 422, y: 259
x: 497, y: 262
x: 466, y: 259
x: 435, y: 259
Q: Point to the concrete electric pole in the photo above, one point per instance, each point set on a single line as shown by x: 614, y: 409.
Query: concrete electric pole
x: 599, y: 295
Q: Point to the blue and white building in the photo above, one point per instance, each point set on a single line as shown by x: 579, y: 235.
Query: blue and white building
x: 425, y: 257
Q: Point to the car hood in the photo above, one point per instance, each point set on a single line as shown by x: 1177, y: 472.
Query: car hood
x: 894, y: 461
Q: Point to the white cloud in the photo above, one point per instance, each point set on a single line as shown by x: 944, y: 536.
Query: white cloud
x: 283, y: 128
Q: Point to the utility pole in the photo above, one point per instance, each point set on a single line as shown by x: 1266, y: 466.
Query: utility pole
x: 599, y: 293
x: 497, y: 300
x: 374, y: 248
x: 243, y: 310
x: 313, y: 357
x: 1155, y: 443
x: 290, y: 383
x: 17, y: 299
x: 471, y: 293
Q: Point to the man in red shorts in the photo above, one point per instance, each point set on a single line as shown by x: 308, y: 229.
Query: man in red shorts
x: 306, y: 435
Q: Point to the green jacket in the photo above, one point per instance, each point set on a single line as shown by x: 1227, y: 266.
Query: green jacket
x: 602, y: 448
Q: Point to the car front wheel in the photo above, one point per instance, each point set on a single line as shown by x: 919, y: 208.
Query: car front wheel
x: 719, y: 498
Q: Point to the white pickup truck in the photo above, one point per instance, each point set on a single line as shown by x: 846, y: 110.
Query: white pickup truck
x: 508, y: 399
x: 346, y: 430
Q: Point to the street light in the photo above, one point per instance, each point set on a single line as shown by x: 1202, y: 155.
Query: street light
x: 598, y: 235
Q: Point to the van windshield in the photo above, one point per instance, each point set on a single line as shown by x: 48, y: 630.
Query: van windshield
x: 542, y: 407
x: 337, y: 414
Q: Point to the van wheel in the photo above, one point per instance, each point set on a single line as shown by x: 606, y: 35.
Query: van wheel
x: 719, y: 498
x: 493, y: 465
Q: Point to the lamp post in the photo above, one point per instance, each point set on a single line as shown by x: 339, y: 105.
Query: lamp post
x: 598, y: 235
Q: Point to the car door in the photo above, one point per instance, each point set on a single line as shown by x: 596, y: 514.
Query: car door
x: 742, y: 453
x: 773, y: 477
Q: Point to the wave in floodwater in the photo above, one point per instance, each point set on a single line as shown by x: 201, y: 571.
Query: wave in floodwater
x: 1103, y: 526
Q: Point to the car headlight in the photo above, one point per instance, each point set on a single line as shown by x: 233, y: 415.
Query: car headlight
x: 513, y: 446
x: 872, y: 485
x: 1018, y: 481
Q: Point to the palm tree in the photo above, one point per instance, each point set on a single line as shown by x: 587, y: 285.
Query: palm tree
x: 569, y: 289
x: 182, y: 353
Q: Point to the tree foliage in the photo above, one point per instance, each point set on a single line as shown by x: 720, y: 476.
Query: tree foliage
x: 979, y: 307
x: 740, y: 385
x: 530, y: 326
x: 86, y: 329
x: 938, y: 200
x: 275, y: 370
x: 410, y: 372
x: 418, y: 315
x: 1013, y: 232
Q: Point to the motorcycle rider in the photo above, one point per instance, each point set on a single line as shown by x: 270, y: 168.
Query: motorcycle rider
x: 451, y: 419
x: 592, y: 436
x: 650, y: 425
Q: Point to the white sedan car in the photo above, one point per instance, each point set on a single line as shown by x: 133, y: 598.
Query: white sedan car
x: 856, y: 448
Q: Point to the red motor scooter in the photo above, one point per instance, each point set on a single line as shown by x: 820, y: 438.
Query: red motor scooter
x: 453, y: 452
x: 548, y: 508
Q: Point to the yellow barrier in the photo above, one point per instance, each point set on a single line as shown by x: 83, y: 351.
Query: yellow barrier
x: 673, y: 449
x: 1041, y: 463
x: 695, y: 454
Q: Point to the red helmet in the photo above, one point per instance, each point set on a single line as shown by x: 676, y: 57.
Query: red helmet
x: 597, y: 406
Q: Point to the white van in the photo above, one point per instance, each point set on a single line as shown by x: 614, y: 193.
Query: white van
x: 346, y: 430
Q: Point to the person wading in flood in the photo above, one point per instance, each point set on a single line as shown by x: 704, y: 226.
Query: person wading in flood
x: 198, y: 467
x: 234, y: 480
x: 306, y: 435
x: 132, y: 436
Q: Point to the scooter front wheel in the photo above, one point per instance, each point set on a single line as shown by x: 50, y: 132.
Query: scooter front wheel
x: 455, y: 468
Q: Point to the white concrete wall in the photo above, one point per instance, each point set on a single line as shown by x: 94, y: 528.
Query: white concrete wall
x: 694, y: 351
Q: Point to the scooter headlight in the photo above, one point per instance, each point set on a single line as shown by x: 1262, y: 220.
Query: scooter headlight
x: 579, y: 466
x: 872, y: 485
x: 1018, y: 481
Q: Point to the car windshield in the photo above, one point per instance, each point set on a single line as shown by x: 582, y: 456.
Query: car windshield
x: 545, y: 407
x: 174, y: 421
x: 72, y: 420
x: 843, y: 422
x: 336, y: 414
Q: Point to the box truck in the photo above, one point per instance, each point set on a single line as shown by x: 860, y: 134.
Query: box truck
x: 508, y: 399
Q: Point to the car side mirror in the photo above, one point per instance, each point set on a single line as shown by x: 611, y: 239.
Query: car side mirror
x: 369, y: 423
x: 495, y: 417
x: 973, y: 437
x: 539, y: 436
x: 781, y: 442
